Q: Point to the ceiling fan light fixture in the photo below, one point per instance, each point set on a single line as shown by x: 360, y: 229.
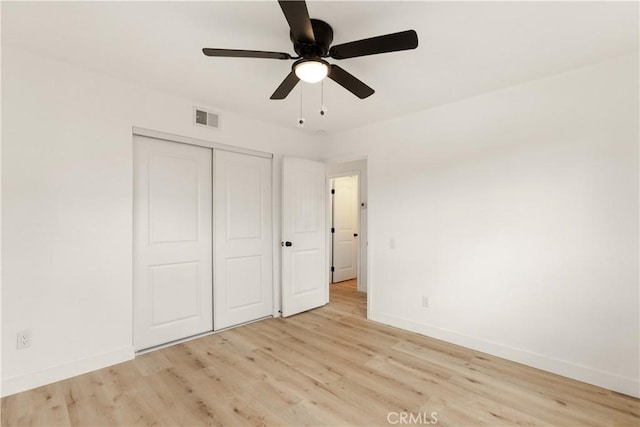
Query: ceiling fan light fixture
x: 311, y: 70
x: 312, y: 40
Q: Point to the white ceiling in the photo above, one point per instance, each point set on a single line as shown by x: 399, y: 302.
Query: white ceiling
x: 466, y: 48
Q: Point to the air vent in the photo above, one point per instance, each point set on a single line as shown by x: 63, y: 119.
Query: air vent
x: 206, y: 118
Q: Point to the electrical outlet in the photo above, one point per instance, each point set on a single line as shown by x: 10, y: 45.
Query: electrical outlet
x: 24, y: 339
x: 425, y: 302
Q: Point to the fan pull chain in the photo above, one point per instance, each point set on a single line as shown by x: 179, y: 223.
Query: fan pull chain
x: 323, y: 109
x: 300, y: 118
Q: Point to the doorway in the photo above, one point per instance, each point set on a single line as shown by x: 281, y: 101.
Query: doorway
x: 348, y: 210
x: 344, y: 228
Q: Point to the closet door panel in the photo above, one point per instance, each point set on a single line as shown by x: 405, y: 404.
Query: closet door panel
x: 172, y: 241
x: 243, y: 284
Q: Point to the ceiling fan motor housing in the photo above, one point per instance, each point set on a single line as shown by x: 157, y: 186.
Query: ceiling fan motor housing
x: 323, y: 33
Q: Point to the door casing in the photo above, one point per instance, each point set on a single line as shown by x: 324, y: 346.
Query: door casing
x: 338, y: 235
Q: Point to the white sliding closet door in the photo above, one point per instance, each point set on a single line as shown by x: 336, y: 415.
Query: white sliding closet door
x: 172, y: 241
x: 243, y: 288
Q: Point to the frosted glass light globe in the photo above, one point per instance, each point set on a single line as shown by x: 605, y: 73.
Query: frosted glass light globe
x: 311, y: 71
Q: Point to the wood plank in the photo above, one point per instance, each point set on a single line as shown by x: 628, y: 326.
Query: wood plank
x: 329, y: 366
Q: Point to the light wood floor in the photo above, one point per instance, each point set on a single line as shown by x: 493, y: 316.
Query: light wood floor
x: 329, y: 366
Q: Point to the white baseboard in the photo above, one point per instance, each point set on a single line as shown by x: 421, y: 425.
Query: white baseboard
x: 25, y: 382
x: 628, y: 386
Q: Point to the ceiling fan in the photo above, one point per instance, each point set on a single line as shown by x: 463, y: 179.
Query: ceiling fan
x: 312, y: 42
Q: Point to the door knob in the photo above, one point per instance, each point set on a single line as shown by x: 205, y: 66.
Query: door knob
x: 286, y: 244
x: 355, y: 234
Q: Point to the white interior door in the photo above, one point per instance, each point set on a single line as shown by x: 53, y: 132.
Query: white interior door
x: 345, y: 224
x: 305, y: 283
x: 172, y: 241
x: 243, y: 239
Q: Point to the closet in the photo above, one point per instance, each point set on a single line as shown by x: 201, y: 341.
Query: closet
x: 202, y: 237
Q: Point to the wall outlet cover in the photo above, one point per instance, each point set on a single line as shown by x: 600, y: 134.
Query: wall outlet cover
x: 24, y: 339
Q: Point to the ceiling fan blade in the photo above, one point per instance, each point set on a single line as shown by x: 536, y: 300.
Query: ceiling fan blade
x: 349, y: 82
x: 404, y: 40
x: 298, y: 18
x: 239, y: 53
x: 286, y: 86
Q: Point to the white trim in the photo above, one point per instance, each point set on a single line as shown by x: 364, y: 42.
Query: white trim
x: 361, y: 177
x: 213, y: 244
x: 67, y: 370
x: 199, y: 142
x: 331, y: 177
x: 346, y: 159
x: 276, y: 221
x: 628, y: 386
x: 328, y: 238
x: 344, y: 174
x: 369, y: 242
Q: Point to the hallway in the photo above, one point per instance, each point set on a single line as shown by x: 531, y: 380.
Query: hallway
x: 347, y: 299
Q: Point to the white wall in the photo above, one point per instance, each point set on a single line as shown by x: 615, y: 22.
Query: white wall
x: 67, y: 209
x: 516, y: 213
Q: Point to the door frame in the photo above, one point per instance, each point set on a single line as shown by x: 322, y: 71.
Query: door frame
x: 331, y: 220
x: 363, y: 226
x: 165, y: 136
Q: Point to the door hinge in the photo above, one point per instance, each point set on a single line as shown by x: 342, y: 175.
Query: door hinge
x: 333, y: 269
x: 333, y: 191
x: 333, y: 230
